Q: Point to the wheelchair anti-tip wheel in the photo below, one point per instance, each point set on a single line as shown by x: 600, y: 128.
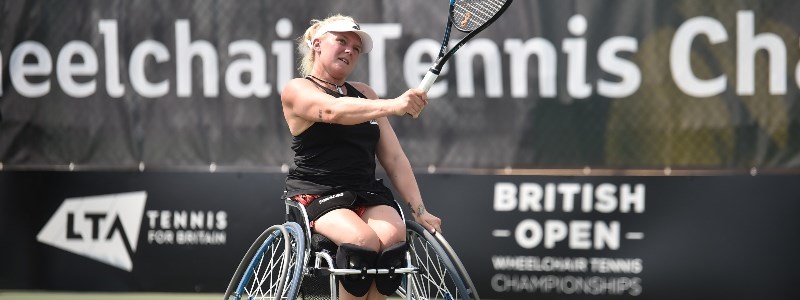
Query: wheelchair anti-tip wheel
x: 441, y: 275
x: 272, y: 267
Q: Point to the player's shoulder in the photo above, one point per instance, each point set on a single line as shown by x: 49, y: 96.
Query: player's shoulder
x: 364, y: 89
x: 295, y: 86
x: 298, y: 82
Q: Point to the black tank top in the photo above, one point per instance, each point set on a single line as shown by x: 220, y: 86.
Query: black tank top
x: 332, y: 158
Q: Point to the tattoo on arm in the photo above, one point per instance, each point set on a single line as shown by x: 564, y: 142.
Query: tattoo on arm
x: 419, y: 211
x: 319, y: 115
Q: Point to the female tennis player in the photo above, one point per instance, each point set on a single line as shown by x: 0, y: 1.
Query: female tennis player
x: 339, y: 128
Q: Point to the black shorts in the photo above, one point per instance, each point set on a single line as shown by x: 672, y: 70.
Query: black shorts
x: 318, y: 205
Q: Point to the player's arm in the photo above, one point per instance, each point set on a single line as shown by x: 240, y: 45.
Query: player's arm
x: 302, y: 99
x: 394, y: 160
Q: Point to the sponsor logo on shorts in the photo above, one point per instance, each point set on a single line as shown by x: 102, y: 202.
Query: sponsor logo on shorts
x: 323, y: 200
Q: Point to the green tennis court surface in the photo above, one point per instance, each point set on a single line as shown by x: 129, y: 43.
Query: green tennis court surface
x: 31, y: 295
x: 37, y: 295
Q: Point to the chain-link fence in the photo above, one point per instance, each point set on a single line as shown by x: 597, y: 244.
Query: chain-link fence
x: 553, y: 84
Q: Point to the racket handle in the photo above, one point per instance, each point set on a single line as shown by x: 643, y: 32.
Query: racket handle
x: 428, y: 81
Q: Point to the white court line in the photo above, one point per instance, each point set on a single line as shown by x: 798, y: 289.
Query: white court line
x: 501, y: 233
x: 634, y: 235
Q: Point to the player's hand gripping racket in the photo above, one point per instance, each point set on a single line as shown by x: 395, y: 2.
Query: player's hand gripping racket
x: 469, y: 16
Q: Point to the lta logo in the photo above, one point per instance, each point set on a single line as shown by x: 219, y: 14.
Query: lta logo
x: 104, y: 228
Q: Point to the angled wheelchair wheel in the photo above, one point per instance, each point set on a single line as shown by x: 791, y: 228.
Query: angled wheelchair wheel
x: 440, y: 273
x: 460, y: 266
x: 272, y: 267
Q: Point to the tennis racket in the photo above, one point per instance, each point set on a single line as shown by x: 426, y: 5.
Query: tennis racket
x: 468, y: 16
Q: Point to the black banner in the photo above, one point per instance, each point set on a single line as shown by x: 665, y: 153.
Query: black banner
x: 520, y: 237
x: 90, y: 85
x: 625, y: 237
x: 193, y: 228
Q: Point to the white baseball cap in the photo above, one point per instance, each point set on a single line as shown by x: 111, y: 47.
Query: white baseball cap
x: 346, y: 26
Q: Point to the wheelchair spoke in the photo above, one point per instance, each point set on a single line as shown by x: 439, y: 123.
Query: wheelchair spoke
x: 438, y: 277
x: 269, y: 279
x: 435, y: 279
x: 272, y: 267
x: 292, y: 263
x: 266, y: 279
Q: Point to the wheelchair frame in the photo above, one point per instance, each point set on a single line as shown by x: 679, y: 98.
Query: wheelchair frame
x: 419, y: 283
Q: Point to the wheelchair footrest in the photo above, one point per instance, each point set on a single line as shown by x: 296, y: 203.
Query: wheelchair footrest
x: 405, y: 270
x: 338, y: 272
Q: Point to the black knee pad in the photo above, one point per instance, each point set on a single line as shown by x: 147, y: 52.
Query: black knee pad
x: 391, y: 258
x: 350, y: 256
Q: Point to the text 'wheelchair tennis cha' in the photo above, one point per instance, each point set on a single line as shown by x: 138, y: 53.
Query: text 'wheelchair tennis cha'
x: 289, y: 262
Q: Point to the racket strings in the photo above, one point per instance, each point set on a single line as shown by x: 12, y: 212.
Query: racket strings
x: 468, y: 15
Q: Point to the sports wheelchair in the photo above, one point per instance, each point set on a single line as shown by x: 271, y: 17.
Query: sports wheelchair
x: 289, y: 262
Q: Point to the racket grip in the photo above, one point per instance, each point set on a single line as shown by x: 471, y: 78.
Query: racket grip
x: 428, y: 81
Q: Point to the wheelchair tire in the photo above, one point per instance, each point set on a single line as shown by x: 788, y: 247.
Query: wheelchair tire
x: 270, y: 268
x: 438, y: 276
x: 460, y: 266
x: 300, y: 260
